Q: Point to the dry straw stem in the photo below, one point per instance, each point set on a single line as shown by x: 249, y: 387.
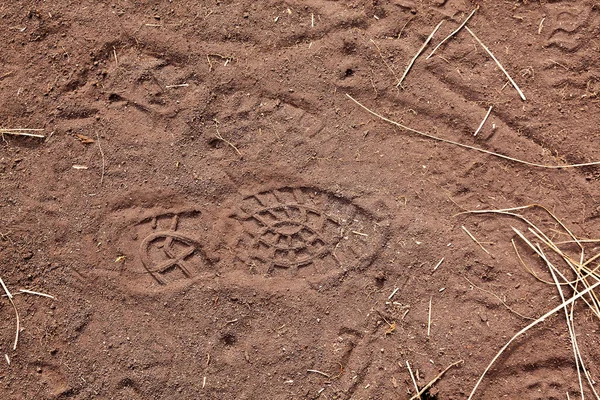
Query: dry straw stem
x: 22, y: 132
x: 314, y: 371
x: 429, y: 316
x: 177, y: 86
x: 497, y: 63
x: 116, y: 58
x: 526, y: 267
x: 36, y: 293
x: 413, y: 380
x: 500, y: 299
x: 12, y: 303
x: 483, y: 121
x: 434, y: 380
x: 528, y: 327
x: 453, y: 33
x: 419, y: 53
x: 466, y: 146
x: 474, y: 239
x: 218, y: 136
x: 384, y: 60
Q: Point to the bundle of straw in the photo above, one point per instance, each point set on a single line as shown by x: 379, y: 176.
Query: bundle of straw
x: 581, y: 287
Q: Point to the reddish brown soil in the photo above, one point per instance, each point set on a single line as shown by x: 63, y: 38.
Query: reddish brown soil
x: 291, y: 247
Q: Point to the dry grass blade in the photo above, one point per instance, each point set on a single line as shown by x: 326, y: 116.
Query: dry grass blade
x: 497, y: 63
x: 499, y: 299
x: 528, y: 327
x: 434, y: 380
x: 538, y: 232
x: 384, y: 60
x: 36, y: 293
x: 419, y: 53
x: 483, y: 121
x: 526, y: 267
x: 314, y: 371
x: 414, y: 381
x: 22, y: 132
x: 453, y: 33
x: 12, y: 303
x: 466, y: 146
x: 429, y: 317
x: 474, y: 239
x: 221, y: 138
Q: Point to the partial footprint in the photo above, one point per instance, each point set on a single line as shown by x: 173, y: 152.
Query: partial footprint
x: 570, y: 25
x: 547, y: 380
x: 158, y: 248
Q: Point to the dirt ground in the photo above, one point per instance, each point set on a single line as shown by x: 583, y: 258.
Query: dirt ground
x: 216, y: 219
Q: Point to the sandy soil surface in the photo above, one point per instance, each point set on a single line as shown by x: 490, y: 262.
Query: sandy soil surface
x: 217, y: 219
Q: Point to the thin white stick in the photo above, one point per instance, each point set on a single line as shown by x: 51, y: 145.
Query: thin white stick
x: 36, y: 293
x: 453, y: 33
x: 483, y: 121
x: 393, y: 293
x: 419, y: 53
x: 413, y: 379
x: 12, y: 303
x: 8, y: 293
x: 499, y: 299
x: 497, y: 63
x: 314, y: 371
x: 466, y: 146
x: 429, y: 317
x: 116, y: 59
x: 438, y: 264
x: 177, y: 86
x: 528, y: 327
x: 19, y: 132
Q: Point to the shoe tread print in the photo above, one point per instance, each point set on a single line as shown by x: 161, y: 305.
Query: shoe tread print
x: 303, y: 230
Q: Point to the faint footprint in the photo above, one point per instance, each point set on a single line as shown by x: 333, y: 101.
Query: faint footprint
x: 570, y: 24
x: 55, y: 380
x: 547, y: 380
